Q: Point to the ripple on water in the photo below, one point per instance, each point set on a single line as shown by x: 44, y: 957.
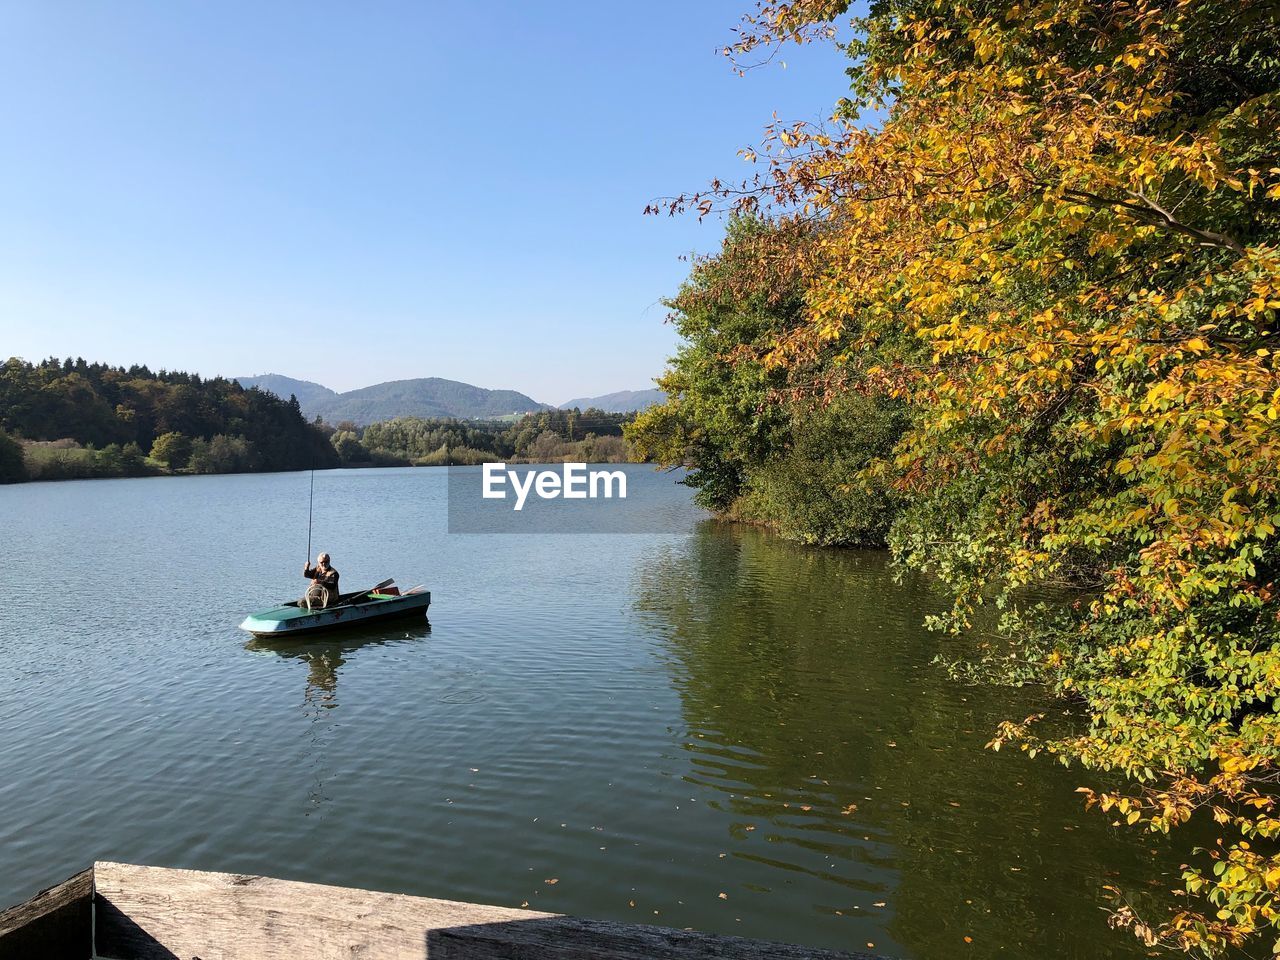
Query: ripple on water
x: 717, y: 730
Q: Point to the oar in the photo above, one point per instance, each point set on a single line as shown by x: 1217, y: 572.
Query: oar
x: 368, y: 594
x: 361, y: 595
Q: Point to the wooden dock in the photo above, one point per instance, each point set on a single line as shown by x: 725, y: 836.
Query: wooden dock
x: 117, y: 911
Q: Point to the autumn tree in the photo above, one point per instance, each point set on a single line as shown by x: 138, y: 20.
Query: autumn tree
x: 1072, y: 210
x: 173, y: 449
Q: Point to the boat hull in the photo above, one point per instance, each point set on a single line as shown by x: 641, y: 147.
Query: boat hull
x: 292, y: 620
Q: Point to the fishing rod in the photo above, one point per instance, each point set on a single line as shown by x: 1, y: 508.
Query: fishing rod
x: 311, y: 503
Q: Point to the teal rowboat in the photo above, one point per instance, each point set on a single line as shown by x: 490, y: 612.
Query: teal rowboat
x: 351, y: 610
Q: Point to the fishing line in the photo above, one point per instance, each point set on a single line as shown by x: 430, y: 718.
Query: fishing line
x: 310, y: 505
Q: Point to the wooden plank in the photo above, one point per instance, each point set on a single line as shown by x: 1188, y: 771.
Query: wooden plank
x: 154, y: 913
x: 55, y: 924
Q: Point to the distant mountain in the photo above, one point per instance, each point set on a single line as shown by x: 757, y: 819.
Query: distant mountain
x: 624, y: 401
x: 424, y: 397
x: 309, y: 394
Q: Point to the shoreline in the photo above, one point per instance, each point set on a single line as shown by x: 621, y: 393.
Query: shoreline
x: 161, y: 474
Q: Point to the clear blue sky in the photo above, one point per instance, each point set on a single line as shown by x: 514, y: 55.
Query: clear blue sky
x: 358, y: 192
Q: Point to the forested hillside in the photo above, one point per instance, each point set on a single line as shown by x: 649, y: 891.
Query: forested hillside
x: 69, y: 418
x: 1013, y: 312
x: 64, y: 419
x: 431, y: 397
x: 624, y: 401
x: 310, y: 394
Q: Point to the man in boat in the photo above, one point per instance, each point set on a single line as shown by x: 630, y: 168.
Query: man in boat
x: 323, y: 591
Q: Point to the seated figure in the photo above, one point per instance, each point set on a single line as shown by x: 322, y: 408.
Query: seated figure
x: 323, y: 590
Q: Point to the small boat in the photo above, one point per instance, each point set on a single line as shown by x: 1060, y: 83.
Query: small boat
x: 351, y: 609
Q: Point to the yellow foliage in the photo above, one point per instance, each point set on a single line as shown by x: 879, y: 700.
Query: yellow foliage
x: 1038, y: 252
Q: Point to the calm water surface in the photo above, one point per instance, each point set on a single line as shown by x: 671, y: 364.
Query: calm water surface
x: 712, y: 729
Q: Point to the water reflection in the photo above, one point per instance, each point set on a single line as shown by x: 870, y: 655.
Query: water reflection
x: 818, y: 722
x: 674, y: 691
x: 325, y: 657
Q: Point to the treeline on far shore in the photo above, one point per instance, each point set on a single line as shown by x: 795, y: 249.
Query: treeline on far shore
x: 69, y: 419
x: 549, y: 436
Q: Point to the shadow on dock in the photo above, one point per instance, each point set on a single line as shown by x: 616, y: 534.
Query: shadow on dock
x: 573, y: 938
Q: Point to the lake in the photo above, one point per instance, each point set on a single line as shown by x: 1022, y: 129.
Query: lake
x: 709, y: 728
